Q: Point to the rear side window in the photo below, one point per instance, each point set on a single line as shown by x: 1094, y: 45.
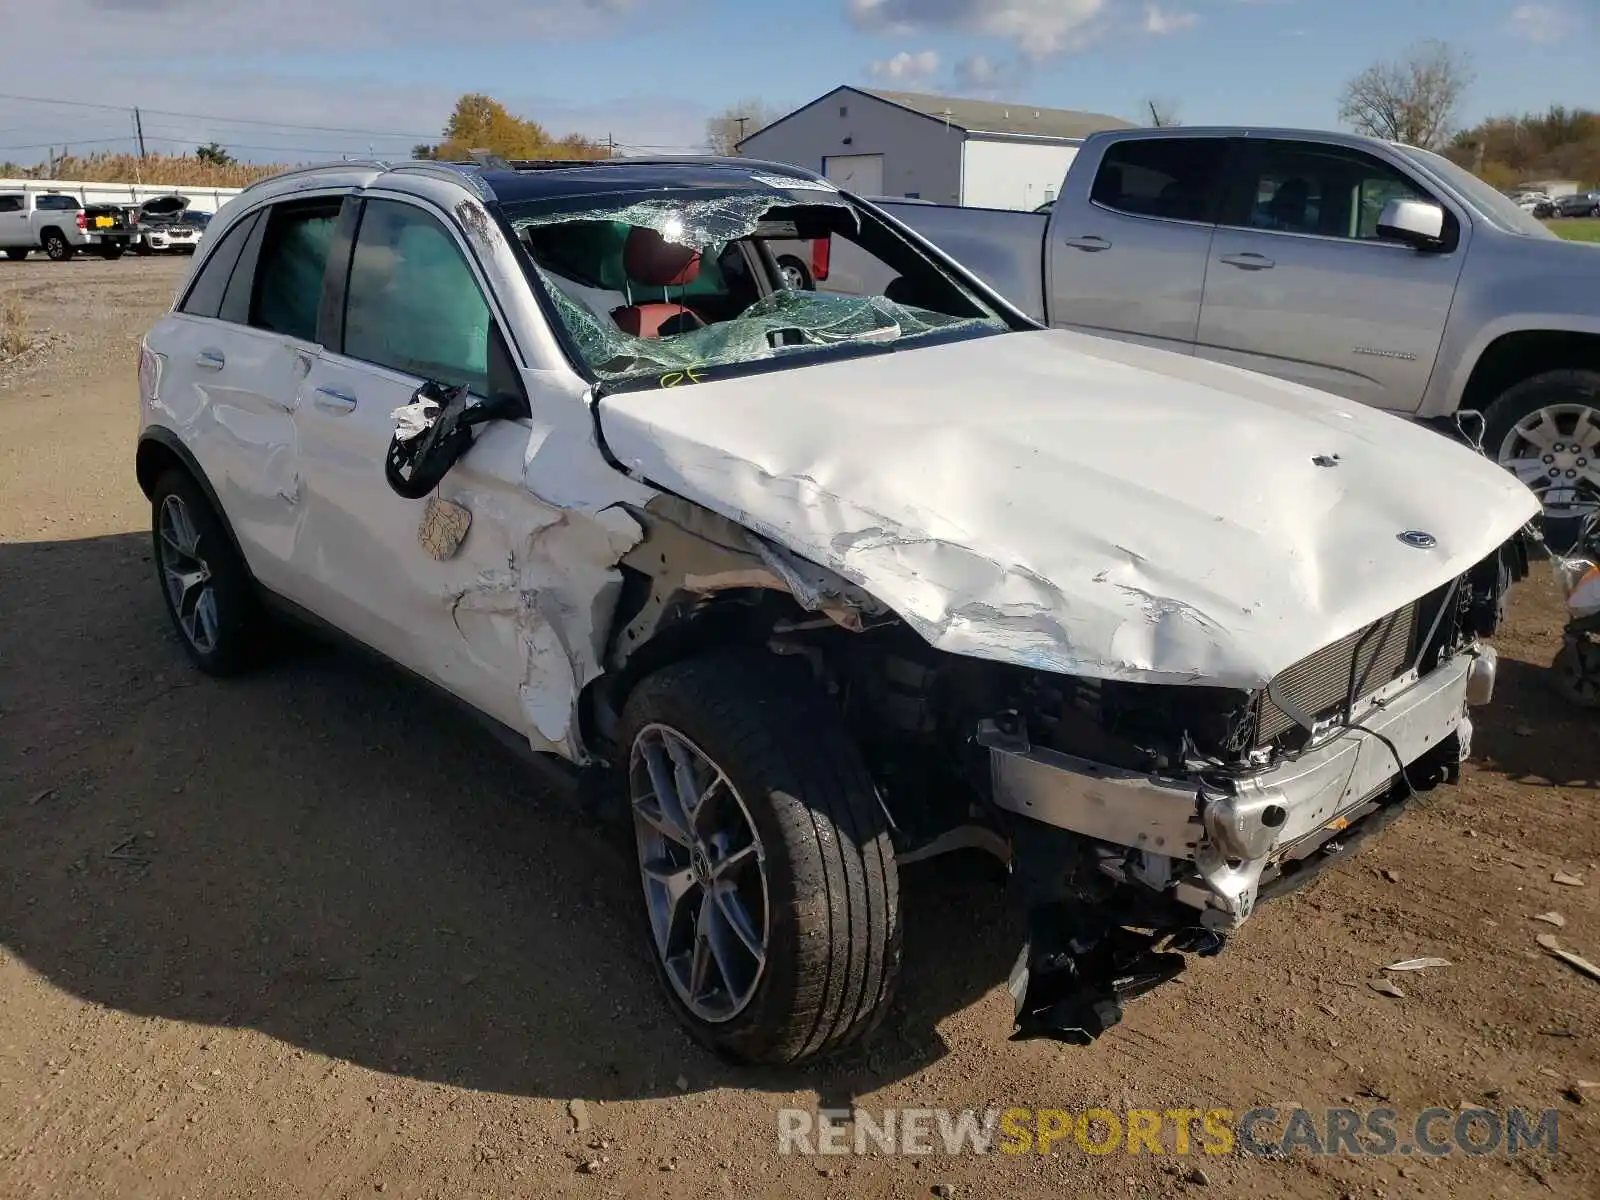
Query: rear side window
x: 1175, y: 178
x: 211, y: 285
x: 10, y: 203
x: 59, y: 204
x: 289, y: 270
x: 412, y: 302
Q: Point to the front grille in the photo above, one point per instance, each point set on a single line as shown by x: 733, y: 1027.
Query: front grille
x: 1320, y: 683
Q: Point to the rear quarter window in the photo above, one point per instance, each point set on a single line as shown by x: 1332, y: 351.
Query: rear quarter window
x: 59, y: 204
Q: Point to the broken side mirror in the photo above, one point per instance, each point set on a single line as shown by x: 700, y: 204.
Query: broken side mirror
x: 1417, y: 223
x: 434, y: 432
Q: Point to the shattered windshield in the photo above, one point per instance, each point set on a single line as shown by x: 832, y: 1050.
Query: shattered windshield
x: 652, y: 284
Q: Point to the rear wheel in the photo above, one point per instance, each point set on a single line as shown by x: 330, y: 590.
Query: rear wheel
x: 1546, y: 430
x: 56, y: 246
x: 795, y: 275
x: 204, y: 582
x: 771, y: 898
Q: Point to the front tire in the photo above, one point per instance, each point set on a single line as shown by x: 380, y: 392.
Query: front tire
x: 1546, y: 430
x: 204, y: 583
x: 771, y: 896
x: 56, y: 246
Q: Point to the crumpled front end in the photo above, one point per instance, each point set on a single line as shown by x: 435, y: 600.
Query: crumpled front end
x: 1275, y: 787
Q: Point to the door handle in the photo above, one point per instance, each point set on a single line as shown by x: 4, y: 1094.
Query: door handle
x: 1090, y: 242
x: 334, y: 400
x: 1248, y: 261
x: 211, y: 360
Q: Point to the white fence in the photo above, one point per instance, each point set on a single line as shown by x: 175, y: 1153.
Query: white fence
x: 201, y: 199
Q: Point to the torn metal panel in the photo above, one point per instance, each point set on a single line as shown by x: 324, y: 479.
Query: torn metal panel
x: 547, y: 614
x: 1082, y: 506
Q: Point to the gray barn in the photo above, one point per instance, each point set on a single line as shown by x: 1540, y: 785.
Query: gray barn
x: 981, y: 153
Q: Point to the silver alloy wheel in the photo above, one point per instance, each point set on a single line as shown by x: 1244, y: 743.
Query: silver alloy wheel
x: 793, y: 277
x: 186, y: 576
x: 703, y: 870
x: 1555, y: 450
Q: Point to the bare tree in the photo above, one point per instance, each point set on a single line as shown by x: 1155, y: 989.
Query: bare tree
x: 1163, y: 112
x: 1413, y: 99
x: 738, y: 121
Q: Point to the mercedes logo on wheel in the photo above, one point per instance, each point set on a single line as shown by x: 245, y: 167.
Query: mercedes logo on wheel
x: 1417, y: 539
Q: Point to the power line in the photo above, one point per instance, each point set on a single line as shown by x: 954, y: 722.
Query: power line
x: 215, y: 119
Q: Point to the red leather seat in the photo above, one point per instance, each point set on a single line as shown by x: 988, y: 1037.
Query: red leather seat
x: 651, y: 261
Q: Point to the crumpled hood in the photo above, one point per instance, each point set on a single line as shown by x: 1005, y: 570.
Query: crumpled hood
x: 1081, y: 505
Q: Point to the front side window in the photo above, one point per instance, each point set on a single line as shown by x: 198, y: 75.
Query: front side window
x: 289, y: 270
x: 10, y: 204
x: 662, y: 286
x: 1327, y: 191
x: 211, y: 285
x: 413, y: 303
x: 1173, y: 178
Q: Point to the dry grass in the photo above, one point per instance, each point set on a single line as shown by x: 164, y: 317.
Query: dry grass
x: 15, y: 334
x: 182, y: 170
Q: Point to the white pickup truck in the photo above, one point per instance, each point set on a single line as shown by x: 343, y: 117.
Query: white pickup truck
x: 59, y: 224
x: 1380, y: 272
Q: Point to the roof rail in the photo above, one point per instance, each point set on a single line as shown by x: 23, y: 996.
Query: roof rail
x: 376, y: 164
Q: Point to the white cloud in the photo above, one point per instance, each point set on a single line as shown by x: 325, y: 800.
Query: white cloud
x: 1541, y: 23
x: 905, y: 69
x: 1038, y: 27
x: 1161, y: 21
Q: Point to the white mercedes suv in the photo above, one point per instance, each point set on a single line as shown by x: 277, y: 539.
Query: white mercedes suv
x: 810, y: 585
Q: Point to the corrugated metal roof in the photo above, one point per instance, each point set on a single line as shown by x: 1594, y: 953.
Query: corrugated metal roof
x: 995, y: 116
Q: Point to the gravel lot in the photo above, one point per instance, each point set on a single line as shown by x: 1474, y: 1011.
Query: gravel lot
x: 312, y: 933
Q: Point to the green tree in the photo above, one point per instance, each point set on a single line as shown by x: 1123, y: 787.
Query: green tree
x: 213, y: 152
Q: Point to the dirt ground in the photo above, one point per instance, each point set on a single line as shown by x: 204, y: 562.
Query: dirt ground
x: 312, y: 933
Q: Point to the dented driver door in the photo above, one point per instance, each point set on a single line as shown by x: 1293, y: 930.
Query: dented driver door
x: 407, y: 576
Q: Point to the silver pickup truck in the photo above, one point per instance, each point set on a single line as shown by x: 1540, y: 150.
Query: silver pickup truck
x: 1379, y: 272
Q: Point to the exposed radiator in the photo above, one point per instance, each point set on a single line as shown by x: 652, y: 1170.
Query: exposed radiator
x: 1320, y: 683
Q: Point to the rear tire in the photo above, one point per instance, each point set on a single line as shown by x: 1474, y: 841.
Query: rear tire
x: 205, y: 585
x: 56, y: 246
x: 801, y: 812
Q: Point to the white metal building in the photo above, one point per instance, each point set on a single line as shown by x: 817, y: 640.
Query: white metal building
x: 981, y: 153
x: 201, y: 199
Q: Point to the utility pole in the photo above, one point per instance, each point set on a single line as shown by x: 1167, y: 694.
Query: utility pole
x: 741, y: 121
x: 138, y: 129
x: 611, y: 146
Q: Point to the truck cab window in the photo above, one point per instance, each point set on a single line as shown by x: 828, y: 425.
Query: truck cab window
x: 1172, y: 178
x: 1327, y: 191
x: 10, y: 204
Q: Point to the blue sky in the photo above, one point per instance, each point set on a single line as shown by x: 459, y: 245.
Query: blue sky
x: 286, y: 80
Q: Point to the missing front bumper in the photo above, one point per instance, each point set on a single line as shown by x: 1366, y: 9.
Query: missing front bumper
x: 1207, y: 845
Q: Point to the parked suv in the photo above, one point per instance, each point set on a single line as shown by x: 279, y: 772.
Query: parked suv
x: 806, y: 585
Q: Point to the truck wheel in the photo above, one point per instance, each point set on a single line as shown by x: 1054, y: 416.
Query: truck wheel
x: 1546, y: 431
x: 112, y: 251
x: 771, y: 897
x: 17, y: 253
x: 56, y: 246
x: 795, y: 275
x: 204, y: 583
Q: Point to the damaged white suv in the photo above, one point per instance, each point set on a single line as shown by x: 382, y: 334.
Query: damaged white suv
x: 818, y: 584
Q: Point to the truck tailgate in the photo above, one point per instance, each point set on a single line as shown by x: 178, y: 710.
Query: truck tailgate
x: 1005, y: 249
